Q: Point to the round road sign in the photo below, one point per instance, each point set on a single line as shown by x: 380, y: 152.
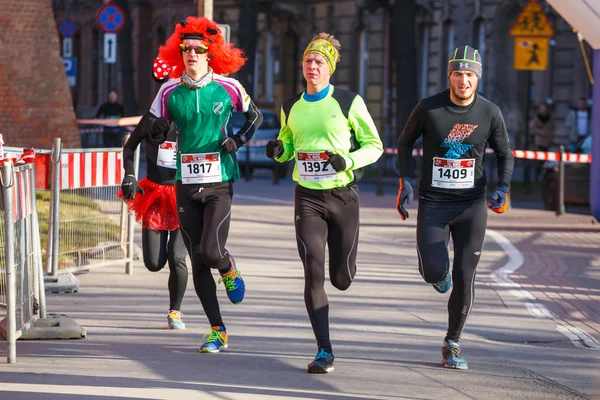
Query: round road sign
x: 67, y: 28
x: 110, y: 18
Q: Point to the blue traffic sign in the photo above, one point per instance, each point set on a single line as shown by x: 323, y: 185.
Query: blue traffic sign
x: 67, y: 28
x: 71, y: 69
x: 110, y: 18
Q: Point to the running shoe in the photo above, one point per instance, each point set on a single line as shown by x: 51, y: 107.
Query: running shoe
x: 174, y: 320
x: 214, y: 341
x: 322, y: 364
x: 445, y: 284
x: 451, y: 356
x: 234, y: 284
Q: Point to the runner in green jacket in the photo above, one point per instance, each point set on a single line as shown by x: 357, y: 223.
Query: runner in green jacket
x: 199, y: 105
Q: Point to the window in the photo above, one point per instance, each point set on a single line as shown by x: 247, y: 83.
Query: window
x: 479, y: 42
x: 363, y: 61
x: 423, y: 58
x: 96, y: 76
x: 447, y: 49
x: 161, y: 36
x: 270, y: 120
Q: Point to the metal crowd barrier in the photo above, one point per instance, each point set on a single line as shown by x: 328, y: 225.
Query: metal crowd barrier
x: 89, y: 225
x: 21, y: 278
x: 85, y: 224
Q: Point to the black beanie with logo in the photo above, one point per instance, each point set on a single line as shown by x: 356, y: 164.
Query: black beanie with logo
x: 465, y: 58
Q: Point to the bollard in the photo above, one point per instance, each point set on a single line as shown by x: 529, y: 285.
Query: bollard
x: 276, y: 169
x: 130, y: 221
x: 247, y: 168
x: 52, y: 253
x: 560, y: 196
x: 123, y: 223
x: 9, y: 261
x: 380, y: 177
x: 37, y: 250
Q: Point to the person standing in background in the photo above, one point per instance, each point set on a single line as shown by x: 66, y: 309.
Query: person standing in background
x: 579, y: 124
x: 543, y: 130
x: 112, y: 136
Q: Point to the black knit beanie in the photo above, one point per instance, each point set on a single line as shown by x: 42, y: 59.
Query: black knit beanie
x: 465, y: 58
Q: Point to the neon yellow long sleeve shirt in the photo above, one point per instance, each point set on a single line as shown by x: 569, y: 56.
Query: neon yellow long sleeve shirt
x: 319, y: 126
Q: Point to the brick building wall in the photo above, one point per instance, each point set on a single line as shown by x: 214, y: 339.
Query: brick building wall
x: 35, y: 101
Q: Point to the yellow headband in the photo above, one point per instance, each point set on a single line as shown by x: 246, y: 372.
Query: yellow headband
x: 326, y: 49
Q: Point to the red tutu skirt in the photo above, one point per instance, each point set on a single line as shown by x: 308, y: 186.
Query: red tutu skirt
x: 156, y: 209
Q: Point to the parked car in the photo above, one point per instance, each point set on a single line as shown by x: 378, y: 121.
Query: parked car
x: 268, y: 130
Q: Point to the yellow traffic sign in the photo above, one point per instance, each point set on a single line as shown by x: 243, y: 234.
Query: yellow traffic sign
x: 531, y: 53
x: 532, y: 22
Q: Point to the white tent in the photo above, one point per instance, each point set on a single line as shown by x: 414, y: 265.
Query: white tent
x: 583, y: 15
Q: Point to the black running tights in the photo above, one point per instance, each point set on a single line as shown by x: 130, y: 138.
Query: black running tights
x: 158, y: 247
x: 326, y: 217
x: 466, y: 222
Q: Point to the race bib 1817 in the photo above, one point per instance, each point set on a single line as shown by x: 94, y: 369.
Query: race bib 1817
x: 200, y: 168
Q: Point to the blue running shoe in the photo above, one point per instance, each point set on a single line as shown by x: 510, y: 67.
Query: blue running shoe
x: 451, y: 356
x: 215, y: 340
x: 322, y: 364
x: 445, y: 284
x: 174, y: 320
x: 234, y: 284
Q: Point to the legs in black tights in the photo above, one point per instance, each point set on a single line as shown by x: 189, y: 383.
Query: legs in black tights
x: 204, y: 216
x: 160, y: 247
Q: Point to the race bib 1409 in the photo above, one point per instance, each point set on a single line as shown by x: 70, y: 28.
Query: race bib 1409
x: 453, y: 174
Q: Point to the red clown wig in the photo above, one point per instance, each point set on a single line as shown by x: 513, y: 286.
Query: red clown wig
x: 225, y: 58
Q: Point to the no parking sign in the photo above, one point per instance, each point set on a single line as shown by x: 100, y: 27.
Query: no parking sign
x: 110, y: 18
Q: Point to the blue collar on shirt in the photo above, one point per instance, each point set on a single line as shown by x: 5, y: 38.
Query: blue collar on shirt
x: 311, y: 98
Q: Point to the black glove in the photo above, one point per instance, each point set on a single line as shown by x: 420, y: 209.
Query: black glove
x: 405, y: 194
x: 336, y: 161
x: 129, y: 186
x: 274, y: 148
x: 231, y: 145
x: 160, y: 129
x: 499, y: 201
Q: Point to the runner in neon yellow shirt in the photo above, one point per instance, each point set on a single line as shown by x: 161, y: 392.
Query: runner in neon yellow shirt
x: 331, y: 134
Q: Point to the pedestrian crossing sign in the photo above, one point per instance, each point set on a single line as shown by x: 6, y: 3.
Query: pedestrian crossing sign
x: 532, y: 22
x: 531, y: 53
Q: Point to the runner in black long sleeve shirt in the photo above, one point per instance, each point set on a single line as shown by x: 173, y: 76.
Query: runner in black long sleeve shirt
x: 455, y: 132
x: 152, y: 203
x: 456, y: 125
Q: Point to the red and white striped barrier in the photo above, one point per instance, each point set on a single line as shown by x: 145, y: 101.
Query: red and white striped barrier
x: 101, y: 129
x: 125, y: 121
x: 415, y: 152
x: 524, y: 154
x: 257, y: 143
x: 21, y: 195
x: 553, y: 156
x: 91, y: 130
x: 83, y: 170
